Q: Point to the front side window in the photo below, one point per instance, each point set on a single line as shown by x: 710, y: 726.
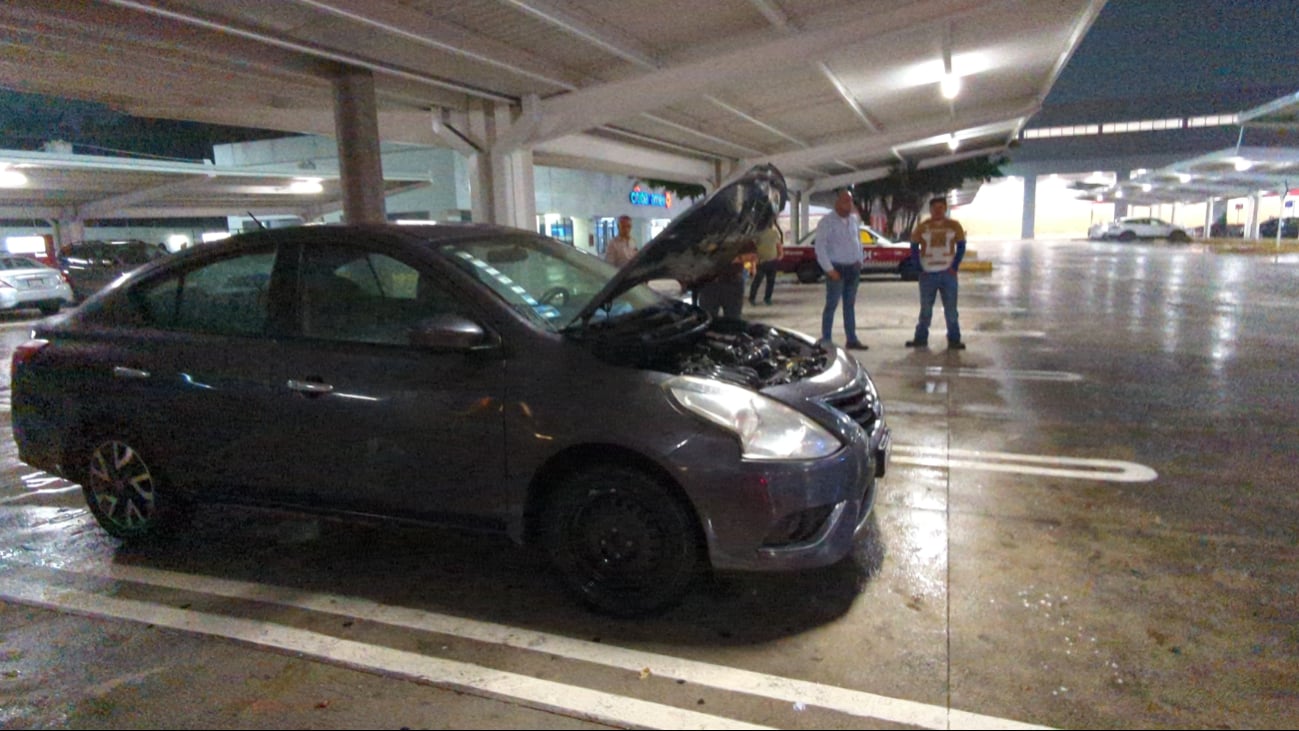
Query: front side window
x: 354, y: 295
x: 226, y: 297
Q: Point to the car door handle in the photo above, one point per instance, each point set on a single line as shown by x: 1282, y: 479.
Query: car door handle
x: 132, y: 373
x: 311, y: 388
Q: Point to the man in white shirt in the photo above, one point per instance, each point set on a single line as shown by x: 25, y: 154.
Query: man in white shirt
x: 620, y: 249
x: 839, y: 252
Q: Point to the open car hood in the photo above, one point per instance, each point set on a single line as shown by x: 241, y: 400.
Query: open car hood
x: 699, y: 243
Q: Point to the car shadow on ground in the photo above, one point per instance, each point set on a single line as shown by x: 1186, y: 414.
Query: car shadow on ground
x: 490, y: 579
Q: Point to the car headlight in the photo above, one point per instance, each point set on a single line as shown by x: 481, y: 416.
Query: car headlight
x: 767, y: 428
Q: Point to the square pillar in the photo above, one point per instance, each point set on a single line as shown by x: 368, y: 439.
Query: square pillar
x: 1029, y: 219
x: 356, y: 129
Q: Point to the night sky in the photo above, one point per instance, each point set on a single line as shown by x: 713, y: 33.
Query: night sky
x: 1152, y: 48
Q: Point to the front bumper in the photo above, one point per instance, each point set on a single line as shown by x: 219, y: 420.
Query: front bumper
x: 742, y: 511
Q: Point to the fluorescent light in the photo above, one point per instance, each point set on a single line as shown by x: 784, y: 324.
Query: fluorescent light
x: 953, y: 143
x: 1184, y: 177
x: 211, y: 236
x: 177, y: 241
x: 950, y: 86
x: 306, y: 186
x: 1242, y: 164
x: 11, y: 178
x: 1147, y: 188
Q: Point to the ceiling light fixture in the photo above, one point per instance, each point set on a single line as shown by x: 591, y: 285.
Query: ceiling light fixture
x: 953, y: 143
x: 950, y: 86
x: 306, y: 186
x: 11, y: 178
x: 1242, y: 164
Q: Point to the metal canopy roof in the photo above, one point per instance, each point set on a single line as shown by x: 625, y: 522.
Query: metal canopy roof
x: 1236, y: 172
x: 824, y: 89
x: 94, y: 187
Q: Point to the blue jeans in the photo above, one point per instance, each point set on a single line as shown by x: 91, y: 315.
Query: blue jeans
x: 931, y: 284
x: 845, y: 288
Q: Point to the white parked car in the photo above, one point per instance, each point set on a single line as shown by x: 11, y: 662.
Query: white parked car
x: 1127, y: 229
x: 28, y: 283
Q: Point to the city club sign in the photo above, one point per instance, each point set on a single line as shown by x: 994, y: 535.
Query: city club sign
x: 640, y: 197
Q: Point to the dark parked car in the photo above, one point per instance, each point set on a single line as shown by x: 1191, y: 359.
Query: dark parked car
x: 1289, y: 228
x: 468, y: 375
x: 93, y: 265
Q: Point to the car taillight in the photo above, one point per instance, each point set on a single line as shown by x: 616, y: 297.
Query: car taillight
x: 24, y: 353
x: 66, y: 279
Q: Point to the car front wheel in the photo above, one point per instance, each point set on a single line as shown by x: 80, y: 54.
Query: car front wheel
x: 1178, y: 237
x: 1127, y: 236
x: 620, y: 540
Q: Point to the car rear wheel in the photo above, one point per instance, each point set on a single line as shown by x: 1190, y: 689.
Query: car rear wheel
x: 808, y: 272
x: 50, y: 309
x: 1127, y: 236
x: 1178, y: 237
x: 621, y: 541
x: 124, y: 493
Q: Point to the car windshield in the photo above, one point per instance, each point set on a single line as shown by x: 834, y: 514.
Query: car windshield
x: 548, y: 282
x: 133, y: 253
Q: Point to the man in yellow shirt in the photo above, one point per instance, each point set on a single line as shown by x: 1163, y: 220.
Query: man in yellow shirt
x: 939, y: 244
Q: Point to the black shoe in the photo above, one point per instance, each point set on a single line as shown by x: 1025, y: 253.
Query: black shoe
x: 917, y: 344
x: 858, y: 345
x: 955, y: 345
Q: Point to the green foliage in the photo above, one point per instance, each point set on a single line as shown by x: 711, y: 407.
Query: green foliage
x: 906, y: 190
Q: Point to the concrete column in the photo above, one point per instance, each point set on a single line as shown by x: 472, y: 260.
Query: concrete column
x: 1251, y: 232
x: 356, y: 128
x: 1208, y: 218
x: 502, y: 186
x: 1030, y: 207
x: 1121, y: 207
x: 795, y: 231
x: 69, y: 231
x: 804, y: 214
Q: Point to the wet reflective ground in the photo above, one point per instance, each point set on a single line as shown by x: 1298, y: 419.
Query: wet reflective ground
x: 1090, y: 521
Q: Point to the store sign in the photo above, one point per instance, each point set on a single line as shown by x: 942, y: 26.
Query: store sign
x: 640, y: 197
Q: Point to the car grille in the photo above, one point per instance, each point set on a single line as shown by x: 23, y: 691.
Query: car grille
x: 858, y: 404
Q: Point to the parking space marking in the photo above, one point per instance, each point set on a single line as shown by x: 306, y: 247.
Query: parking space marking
x: 842, y: 700
x: 989, y: 373
x: 545, y: 695
x: 1106, y: 470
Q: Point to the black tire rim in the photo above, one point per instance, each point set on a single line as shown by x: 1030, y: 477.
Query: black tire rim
x: 618, y: 544
x: 122, y: 486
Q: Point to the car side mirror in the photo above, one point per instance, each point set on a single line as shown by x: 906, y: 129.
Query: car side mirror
x: 451, y: 332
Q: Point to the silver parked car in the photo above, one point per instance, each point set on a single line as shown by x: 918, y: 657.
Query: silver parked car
x: 27, y: 283
x: 1128, y: 229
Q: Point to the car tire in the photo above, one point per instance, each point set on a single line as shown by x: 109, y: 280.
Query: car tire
x: 126, y: 494
x: 622, y: 542
x: 808, y: 272
x: 1178, y: 237
x: 1127, y: 236
x: 48, y: 310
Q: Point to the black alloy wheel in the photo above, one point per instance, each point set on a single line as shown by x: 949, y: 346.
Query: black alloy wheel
x: 621, y: 541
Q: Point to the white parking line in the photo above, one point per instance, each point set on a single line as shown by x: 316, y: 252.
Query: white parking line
x: 989, y: 373
x: 842, y: 700
x: 1106, y: 470
x: 545, y: 695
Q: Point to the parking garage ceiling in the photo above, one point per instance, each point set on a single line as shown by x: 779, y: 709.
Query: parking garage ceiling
x: 832, y: 92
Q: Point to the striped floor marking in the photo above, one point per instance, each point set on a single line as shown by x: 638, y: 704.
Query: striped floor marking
x: 1105, y: 470
x: 842, y: 700
x: 988, y: 373
x: 545, y: 695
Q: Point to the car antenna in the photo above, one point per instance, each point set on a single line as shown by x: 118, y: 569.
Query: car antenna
x: 260, y: 225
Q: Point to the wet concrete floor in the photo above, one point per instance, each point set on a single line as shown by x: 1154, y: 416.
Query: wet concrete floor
x: 1090, y: 521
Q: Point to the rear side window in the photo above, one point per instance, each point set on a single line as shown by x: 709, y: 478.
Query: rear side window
x: 226, y: 297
